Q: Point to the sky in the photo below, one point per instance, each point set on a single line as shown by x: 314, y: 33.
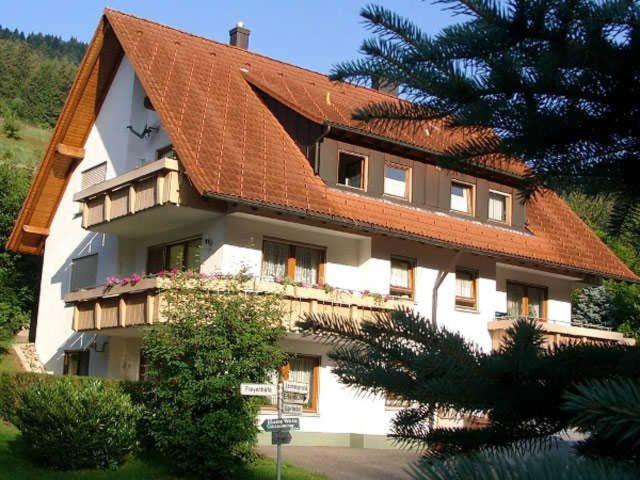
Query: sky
x: 313, y: 34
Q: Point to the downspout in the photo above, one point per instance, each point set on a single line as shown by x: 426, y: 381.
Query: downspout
x: 441, y: 276
x: 316, y: 153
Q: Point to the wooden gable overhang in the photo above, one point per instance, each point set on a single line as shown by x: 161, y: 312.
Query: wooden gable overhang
x: 66, y: 146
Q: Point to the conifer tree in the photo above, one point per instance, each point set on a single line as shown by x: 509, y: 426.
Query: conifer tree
x: 557, y: 80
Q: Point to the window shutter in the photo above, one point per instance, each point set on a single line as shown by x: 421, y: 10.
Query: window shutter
x: 84, y: 271
x: 94, y: 175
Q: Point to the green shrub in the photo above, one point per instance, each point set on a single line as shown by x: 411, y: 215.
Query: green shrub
x: 68, y: 423
x: 194, y: 415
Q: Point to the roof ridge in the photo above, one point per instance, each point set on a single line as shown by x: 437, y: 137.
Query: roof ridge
x: 251, y: 52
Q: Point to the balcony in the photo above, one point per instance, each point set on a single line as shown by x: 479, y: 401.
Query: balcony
x: 104, y: 307
x: 154, y: 197
x: 558, y: 333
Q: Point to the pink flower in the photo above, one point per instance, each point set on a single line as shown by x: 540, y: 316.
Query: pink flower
x: 135, y: 278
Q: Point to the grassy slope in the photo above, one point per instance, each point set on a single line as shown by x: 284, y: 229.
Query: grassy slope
x: 15, y: 466
x: 27, y: 150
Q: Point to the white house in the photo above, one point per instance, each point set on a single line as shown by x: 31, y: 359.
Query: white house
x: 177, y: 151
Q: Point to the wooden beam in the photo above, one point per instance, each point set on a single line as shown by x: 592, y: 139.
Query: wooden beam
x: 42, y: 231
x: 70, y: 151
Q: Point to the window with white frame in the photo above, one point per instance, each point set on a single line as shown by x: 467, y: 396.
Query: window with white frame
x: 462, y: 197
x: 397, y: 180
x: 499, y: 206
x: 84, y: 272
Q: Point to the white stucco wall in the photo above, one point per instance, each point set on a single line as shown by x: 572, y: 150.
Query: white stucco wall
x: 108, y: 141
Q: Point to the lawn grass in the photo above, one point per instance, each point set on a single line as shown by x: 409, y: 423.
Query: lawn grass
x: 15, y: 466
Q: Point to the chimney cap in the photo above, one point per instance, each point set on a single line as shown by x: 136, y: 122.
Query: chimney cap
x: 239, y: 35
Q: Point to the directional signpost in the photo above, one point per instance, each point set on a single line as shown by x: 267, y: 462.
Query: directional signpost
x: 291, y: 397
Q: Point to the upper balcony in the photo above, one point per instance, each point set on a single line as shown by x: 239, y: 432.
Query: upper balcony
x: 557, y: 333
x: 134, y: 305
x: 154, y: 197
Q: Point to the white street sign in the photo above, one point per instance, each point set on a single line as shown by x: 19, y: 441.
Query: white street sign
x: 298, y: 398
x: 259, y: 389
x: 296, y: 387
x: 291, y: 409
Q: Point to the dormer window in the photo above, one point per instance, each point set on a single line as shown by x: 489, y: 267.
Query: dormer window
x: 397, y: 180
x: 499, y: 207
x: 462, y: 197
x: 352, y: 170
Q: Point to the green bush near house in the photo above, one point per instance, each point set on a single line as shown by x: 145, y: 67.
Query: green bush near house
x: 195, y: 417
x: 67, y: 423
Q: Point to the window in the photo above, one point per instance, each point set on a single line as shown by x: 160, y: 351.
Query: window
x: 351, y: 170
x: 466, y: 289
x: 84, y: 271
x: 462, y: 197
x: 499, y: 207
x: 167, y: 152
x: 397, y: 180
x: 184, y: 255
x: 401, y: 277
x: 303, y: 369
x: 526, y: 300
x: 76, y: 362
x: 94, y: 175
x: 298, y: 263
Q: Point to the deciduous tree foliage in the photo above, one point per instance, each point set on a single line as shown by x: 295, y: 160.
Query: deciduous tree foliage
x: 212, y: 342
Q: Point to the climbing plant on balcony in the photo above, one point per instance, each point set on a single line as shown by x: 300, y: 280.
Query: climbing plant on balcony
x: 213, y: 340
x: 519, y: 387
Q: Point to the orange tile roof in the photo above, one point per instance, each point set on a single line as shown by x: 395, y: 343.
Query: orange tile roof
x: 233, y: 147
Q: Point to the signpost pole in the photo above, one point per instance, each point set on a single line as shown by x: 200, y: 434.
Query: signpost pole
x: 279, y: 445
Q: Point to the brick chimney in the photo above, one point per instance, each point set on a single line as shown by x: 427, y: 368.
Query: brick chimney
x: 239, y: 36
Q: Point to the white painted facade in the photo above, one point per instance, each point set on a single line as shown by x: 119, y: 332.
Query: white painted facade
x: 233, y: 241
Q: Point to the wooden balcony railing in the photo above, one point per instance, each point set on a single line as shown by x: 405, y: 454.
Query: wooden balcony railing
x: 151, y: 185
x: 557, y: 333
x: 136, y: 305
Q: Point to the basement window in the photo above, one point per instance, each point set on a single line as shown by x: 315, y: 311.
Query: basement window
x: 466, y: 289
x: 76, y: 362
x: 351, y: 170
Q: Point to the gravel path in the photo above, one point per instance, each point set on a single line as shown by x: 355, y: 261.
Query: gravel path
x: 348, y: 463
